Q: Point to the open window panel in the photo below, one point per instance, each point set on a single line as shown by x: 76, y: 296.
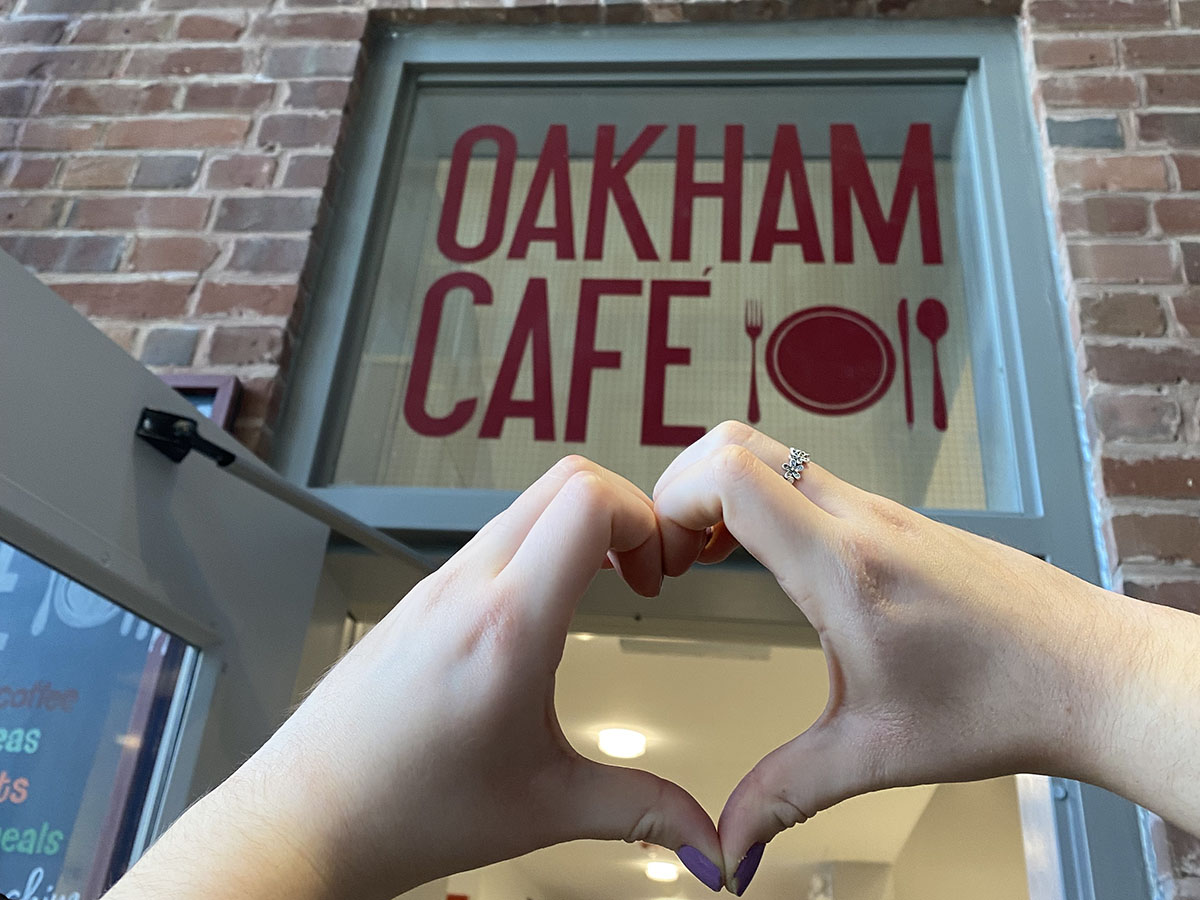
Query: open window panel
x: 152, y: 614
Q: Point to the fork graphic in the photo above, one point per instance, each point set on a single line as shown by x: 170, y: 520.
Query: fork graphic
x: 754, y: 327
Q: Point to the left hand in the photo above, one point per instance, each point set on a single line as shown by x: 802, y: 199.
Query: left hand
x: 433, y: 747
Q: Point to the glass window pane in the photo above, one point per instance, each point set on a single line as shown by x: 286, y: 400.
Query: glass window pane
x: 85, y: 692
x: 613, y: 269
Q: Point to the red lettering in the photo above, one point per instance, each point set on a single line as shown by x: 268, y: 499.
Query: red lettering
x: 553, y: 164
x: 532, y: 327
x: 422, y: 365
x: 787, y: 164
x: 456, y: 184
x: 609, y: 179
x: 587, y: 358
x: 850, y: 176
x: 728, y: 189
x: 658, y: 356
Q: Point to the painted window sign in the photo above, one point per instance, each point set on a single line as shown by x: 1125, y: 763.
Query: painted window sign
x: 616, y: 287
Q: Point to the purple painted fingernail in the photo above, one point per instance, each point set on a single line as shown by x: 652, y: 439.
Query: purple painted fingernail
x: 746, y: 869
x: 700, y: 866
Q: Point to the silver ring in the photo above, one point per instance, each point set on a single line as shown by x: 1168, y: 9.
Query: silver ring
x: 793, y: 469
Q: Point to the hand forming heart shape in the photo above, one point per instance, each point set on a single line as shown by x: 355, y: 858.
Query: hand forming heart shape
x: 434, y: 746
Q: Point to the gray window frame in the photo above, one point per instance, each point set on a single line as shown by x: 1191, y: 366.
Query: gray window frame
x: 1013, y: 275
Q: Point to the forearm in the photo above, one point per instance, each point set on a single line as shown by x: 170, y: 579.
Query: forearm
x: 1143, y: 738
x: 222, y: 847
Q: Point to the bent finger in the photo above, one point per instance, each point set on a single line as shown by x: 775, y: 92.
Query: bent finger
x: 778, y: 525
x: 567, y: 545
x: 788, y: 786
x: 617, y: 803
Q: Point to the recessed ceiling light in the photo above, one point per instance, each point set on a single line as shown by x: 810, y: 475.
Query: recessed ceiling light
x: 623, y: 743
x: 662, y: 871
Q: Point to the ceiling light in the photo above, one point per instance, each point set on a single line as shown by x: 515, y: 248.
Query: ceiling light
x: 662, y: 871
x: 623, y: 743
x: 583, y: 636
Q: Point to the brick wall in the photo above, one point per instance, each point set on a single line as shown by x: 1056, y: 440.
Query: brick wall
x: 164, y: 161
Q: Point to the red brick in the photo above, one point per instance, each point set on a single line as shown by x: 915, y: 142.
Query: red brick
x: 299, y: 130
x: 244, y: 346
x: 240, y: 299
x: 311, y: 60
x: 1179, y: 593
x: 1112, y: 173
x: 65, y: 253
x: 98, y: 171
x: 1096, y: 14
x: 58, y: 63
x: 1170, y: 478
x: 99, y: 98
x: 305, y: 170
x: 1189, y: 13
x: 1178, y: 215
x: 1122, y: 315
x: 1191, y: 261
x: 268, y: 254
x: 137, y: 29
x: 1180, y: 51
x: 1175, y: 129
x: 1189, y: 172
x: 60, y: 135
x: 1139, y: 418
x: 1156, y: 363
x: 1124, y: 263
x: 260, y: 399
x: 1187, y: 312
x: 1172, y: 89
x: 1167, y: 537
x: 127, y: 300
x: 121, y: 335
x: 173, y: 254
x: 210, y: 28
x: 235, y: 95
x: 1074, y: 53
x: 326, y: 93
x: 34, y: 172
x: 1089, y: 91
x: 190, y: 133
x: 266, y: 213
x: 188, y: 61
x: 41, y: 7
x: 17, y: 99
x: 243, y: 170
x: 342, y: 25
x: 140, y: 212
x: 30, y: 211
x: 31, y: 31
x: 1105, y: 215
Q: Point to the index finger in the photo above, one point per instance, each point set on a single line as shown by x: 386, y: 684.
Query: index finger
x: 777, y: 524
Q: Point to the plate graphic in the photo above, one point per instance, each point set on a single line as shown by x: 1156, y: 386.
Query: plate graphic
x: 830, y: 360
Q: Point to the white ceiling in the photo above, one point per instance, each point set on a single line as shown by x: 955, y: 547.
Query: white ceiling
x: 708, y: 719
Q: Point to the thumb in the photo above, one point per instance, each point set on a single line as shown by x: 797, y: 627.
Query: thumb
x: 613, y: 802
x: 788, y: 786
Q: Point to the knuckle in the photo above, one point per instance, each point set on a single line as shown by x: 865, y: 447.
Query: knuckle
x: 572, y: 464
x: 732, y: 431
x: 733, y: 464
x: 892, y: 516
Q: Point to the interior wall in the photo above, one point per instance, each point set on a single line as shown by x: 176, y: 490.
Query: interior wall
x: 966, y: 844
x: 502, y: 881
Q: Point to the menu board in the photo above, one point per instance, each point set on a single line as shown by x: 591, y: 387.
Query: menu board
x: 85, y: 688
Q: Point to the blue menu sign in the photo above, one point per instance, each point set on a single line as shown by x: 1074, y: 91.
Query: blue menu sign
x: 85, y: 688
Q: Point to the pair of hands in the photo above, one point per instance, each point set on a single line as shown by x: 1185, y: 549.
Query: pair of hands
x: 433, y: 746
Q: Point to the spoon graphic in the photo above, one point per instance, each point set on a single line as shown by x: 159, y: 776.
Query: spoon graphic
x: 933, y: 322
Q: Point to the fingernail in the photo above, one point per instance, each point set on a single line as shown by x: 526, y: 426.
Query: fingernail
x: 746, y: 869
x: 701, y: 866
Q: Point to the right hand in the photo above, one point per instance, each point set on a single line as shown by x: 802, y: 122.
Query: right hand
x: 951, y: 657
